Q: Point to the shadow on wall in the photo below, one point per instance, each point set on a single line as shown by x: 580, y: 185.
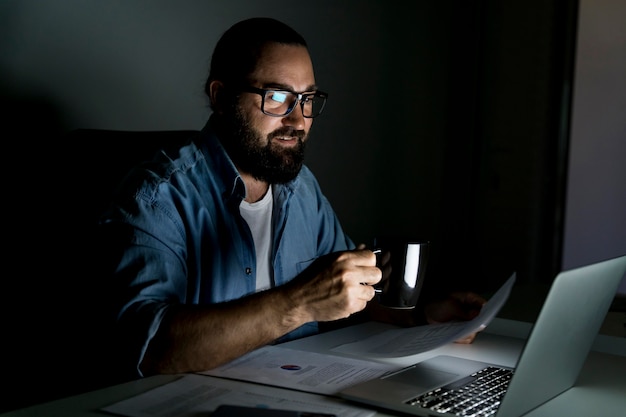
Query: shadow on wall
x: 59, y: 185
x: 46, y: 322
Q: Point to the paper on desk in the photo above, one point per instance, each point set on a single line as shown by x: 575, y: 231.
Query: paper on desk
x: 198, y: 395
x: 413, y: 340
x: 305, y: 371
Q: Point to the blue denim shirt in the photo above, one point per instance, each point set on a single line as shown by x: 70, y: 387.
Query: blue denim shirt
x: 186, y: 241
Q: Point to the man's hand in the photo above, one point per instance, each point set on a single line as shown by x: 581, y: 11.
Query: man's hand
x: 336, y: 285
x: 458, y: 306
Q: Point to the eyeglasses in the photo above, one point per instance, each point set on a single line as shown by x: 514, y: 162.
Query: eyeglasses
x: 280, y: 103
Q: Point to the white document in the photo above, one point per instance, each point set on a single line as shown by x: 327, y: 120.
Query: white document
x: 305, y: 371
x: 198, y: 395
x: 413, y: 340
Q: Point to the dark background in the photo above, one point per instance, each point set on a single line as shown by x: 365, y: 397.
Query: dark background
x: 492, y: 129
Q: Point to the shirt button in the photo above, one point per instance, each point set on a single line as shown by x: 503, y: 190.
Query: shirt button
x: 248, y: 271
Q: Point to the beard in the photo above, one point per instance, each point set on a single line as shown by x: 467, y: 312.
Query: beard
x: 259, y: 156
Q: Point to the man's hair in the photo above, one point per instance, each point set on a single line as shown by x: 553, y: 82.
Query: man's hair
x: 238, y: 50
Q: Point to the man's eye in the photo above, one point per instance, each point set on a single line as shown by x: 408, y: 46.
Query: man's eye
x: 279, y: 97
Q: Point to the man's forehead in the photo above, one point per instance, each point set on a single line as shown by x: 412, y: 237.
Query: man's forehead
x: 286, y: 65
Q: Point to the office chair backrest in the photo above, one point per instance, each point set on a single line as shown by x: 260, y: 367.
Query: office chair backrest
x: 90, y: 163
x: 103, y: 157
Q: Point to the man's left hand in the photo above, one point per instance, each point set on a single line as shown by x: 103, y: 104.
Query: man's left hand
x: 458, y: 306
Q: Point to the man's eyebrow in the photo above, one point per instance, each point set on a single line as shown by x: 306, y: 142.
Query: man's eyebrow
x: 284, y: 87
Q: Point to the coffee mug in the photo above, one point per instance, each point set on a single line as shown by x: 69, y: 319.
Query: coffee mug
x: 403, y: 263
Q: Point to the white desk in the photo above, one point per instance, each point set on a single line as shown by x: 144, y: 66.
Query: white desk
x: 600, y: 390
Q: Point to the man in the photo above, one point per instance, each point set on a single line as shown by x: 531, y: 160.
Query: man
x: 228, y: 244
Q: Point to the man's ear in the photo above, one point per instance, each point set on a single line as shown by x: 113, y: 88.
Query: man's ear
x: 217, y: 95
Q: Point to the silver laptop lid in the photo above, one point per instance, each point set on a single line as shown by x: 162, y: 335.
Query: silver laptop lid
x: 563, y: 334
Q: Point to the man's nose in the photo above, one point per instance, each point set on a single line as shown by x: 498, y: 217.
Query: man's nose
x: 296, y: 117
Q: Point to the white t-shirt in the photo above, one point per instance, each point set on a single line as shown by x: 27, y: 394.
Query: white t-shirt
x: 259, y: 218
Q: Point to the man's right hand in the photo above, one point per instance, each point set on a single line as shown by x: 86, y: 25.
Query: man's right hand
x: 336, y: 285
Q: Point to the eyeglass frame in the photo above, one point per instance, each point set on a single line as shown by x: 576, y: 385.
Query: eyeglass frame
x: 299, y: 99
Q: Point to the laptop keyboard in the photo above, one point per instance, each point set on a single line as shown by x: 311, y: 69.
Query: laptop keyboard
x: 478, y: 397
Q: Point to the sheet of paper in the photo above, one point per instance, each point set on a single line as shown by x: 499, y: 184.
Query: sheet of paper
x: 413, y: 340
x: 305, y: 371
x: 198, y: 395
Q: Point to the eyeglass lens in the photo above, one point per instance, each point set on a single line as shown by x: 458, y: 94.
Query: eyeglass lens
x: 280, y: 103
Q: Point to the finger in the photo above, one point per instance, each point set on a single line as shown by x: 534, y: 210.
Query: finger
x: 368, y: 292
x: 470, y: 338
x: 467, y: 339
x: 365, y: 258
x: 358, y: 257
x: 369, y: 276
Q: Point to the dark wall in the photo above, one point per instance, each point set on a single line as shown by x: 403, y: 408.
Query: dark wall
x: 520, y: 138
x: 478, y: 167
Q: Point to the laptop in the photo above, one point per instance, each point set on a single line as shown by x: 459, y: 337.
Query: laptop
x: 549, y: 364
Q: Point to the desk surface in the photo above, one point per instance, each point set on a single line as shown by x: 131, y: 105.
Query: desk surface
x: 600, y: 389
